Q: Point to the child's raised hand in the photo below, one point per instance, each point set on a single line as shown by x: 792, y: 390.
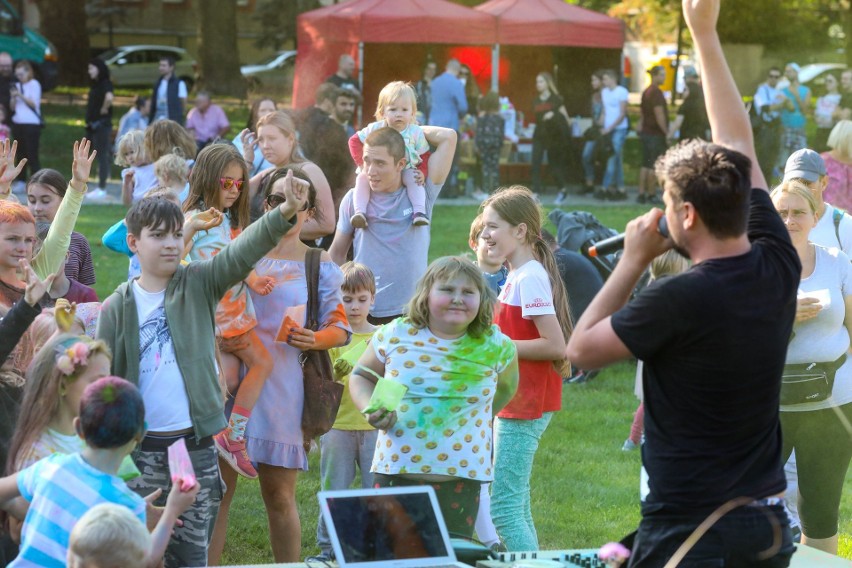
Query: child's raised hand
x: 295, y: 195
x: 82, y: 164
x: 206, y: 220
x: 36, y: 288
x: 7, y: 159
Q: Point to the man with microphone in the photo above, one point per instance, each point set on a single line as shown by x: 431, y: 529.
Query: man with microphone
x: 713, y: 340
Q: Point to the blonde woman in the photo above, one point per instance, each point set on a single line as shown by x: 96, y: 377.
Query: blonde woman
x: 814, y: 427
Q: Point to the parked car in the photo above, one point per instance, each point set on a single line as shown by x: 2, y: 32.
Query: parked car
x: 274, y: 73
x: 813, y: 76
x: 22, y: 42
x: 137, y: 65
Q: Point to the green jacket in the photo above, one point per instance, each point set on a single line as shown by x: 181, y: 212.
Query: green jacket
x: 190, y: 305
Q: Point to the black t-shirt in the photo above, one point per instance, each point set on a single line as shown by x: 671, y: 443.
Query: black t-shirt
x: 582, y: 280
x: 713, y: 341
x: 695, y: 123
x: 548, y: 129
x: 97, y: 93
x: 652, y: 98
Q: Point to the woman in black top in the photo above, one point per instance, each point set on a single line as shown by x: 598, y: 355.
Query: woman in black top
x: 552, y: 133
x: 99, y: 118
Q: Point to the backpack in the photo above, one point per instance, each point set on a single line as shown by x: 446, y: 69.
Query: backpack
x: 579, y: 230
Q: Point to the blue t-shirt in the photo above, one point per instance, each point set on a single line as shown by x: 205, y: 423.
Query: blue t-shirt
x: 60, y: 489
x: 794, y: 118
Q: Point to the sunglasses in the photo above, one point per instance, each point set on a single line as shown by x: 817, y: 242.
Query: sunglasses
x: 774, y: 76
x: 275, y: 199
x: 228, y: 184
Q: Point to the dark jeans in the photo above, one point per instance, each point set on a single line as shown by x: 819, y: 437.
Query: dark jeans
x: 28, y: 137
x: 556, y: 155
x: 767, y: 142
x: 100, y: 141
x: 734, y: 541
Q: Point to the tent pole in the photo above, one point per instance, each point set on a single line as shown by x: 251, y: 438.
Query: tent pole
x: 495, y: 68
x: 361, y: 79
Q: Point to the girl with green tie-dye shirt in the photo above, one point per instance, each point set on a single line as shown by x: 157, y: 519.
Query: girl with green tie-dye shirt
x: 459, y: 370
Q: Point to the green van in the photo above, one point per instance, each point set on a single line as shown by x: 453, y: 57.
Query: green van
x: 23, y: 42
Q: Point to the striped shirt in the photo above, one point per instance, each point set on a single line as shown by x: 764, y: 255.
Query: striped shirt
x: 79, y: 266
x: 61, y: 488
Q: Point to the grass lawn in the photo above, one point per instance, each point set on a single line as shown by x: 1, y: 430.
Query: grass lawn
x: 585, y: 489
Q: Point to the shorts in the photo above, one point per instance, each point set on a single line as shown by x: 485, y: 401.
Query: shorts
x: 653, y: 146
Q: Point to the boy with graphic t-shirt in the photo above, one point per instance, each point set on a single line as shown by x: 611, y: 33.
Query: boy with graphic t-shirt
x: 160, y: 329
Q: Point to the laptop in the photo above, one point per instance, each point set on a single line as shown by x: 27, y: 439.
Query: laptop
x: 393, y: 527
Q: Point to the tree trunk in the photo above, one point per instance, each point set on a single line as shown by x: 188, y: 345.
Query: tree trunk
x: 64, y: 23
x: 218, y: 54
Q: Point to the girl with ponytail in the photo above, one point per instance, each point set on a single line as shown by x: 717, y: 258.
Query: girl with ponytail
x: 532, y: 309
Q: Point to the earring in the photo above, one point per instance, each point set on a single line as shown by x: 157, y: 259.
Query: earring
x: 63, y: 388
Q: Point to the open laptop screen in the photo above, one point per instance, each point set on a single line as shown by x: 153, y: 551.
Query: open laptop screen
x: 379, y: 527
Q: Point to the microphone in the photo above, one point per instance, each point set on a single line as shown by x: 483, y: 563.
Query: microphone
x: 616, y: 243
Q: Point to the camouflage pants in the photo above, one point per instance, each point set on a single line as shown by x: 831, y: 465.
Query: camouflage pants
x: 188, y: 545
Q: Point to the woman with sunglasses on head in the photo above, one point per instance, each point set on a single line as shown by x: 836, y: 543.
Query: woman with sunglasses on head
x: 274, y: 433
x: 217, y: 209
x: 276, y: 139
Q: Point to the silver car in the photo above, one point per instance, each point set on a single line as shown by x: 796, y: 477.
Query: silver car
x: 137, y: 65
x: 273, y: 74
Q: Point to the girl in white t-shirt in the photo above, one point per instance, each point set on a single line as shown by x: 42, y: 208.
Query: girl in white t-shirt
x: 458, y: 370
x: 533, y: 310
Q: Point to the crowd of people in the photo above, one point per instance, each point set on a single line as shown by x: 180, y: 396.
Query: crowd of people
x: 142, y: 410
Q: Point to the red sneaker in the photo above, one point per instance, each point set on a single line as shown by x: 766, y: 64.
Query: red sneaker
x: 234, y: 452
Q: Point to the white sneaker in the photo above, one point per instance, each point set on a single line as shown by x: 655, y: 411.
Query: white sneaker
x: 480, y: 195
x: 559, y: 198
x: 95, y: 195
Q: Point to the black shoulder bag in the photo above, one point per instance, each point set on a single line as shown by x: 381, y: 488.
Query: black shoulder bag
x: 322, y: 392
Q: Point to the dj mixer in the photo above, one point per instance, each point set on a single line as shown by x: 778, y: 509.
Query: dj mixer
x: 572, y: 558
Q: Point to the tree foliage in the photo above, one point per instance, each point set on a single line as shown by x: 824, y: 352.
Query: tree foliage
x: 277, y: 19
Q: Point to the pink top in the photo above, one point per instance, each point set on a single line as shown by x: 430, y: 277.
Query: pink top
x: 207, y: 125
x: 839, y: 189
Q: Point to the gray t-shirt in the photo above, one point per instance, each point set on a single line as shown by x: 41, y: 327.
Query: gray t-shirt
x: 395, y: 250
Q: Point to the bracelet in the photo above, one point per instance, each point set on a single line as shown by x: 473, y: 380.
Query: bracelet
x: 374, y: 374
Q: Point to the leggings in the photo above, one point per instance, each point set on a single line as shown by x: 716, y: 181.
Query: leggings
x: 823, y: 450
x: 458, y: 499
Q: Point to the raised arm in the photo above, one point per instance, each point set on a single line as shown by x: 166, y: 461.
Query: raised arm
x: 322, y: 223
x: 236, y: 260
x: 441, y: 160
x: 728, y: 119
x: 51, y: 257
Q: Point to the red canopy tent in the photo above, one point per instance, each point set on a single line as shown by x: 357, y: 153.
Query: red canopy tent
x: 554, y: 36
x: 326, y: 34
x: 552, y: 23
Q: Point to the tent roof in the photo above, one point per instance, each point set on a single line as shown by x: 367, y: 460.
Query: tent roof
x: 400, y: 21
x: 554, y: 23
